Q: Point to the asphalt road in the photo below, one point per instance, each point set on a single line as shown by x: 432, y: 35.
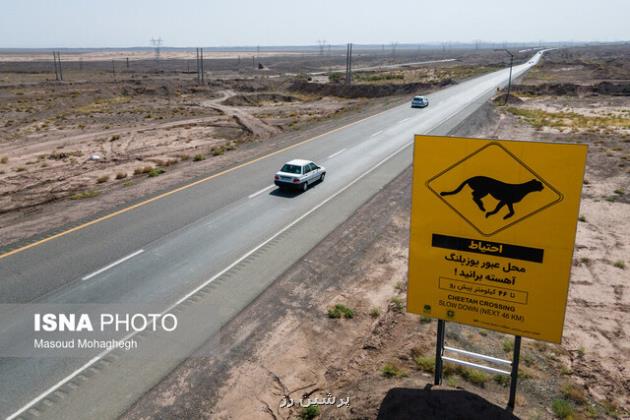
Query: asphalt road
x: 202, y: 253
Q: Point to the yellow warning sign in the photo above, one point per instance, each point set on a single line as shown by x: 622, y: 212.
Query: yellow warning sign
x: 492, y: 232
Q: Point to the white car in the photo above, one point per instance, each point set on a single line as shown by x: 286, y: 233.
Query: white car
x: 419, y: 102
x: 299, y: 174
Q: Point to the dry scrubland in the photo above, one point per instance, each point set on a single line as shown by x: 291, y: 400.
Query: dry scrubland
x: 336, y: 321
x: 152, y: 130
x: 101, y: 138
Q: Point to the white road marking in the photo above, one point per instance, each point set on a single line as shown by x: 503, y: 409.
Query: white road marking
x: 114, y: 264
x: 261, y: 191
x: 402, y: 121
x: 210, y: 280
x: 377, y: 133
x: 207, y: 282
x: 336, y: 153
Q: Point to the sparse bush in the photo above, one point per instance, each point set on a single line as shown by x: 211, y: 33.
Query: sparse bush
x: 581, y: 351
x: 147, y: 169
x: 562, y: 408
x: 115, y: 137
x: 102, y: 179
x: 392, y: 371
x: 217, y: 151
x: 84, y: 194
x: 121, y: 175
x: 425, y: 319
x: 137, y: 171
x: 502, y: 380
x: 508, y: 345
x: 339, y: 311
x: 375, y: 312
x: 127, y: 184
x: 198, y: 157
x: 4, y: 159
x: 573, y: 393
x: 397, y: 304
x: 184, y: 157
x: 425, y: 363
x: 155, y: 172
x: 335, y: 77
x: 582, y: 219
x: 58, y: 156
x: 400, y: 286
x: 452, y: 381
x: 619, y: 192
x: 620, y: 264
x: 474, y: 376
x: 309, y: 412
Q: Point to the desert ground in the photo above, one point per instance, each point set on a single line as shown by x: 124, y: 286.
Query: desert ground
x: 114, y: 131
x: 334, y: 325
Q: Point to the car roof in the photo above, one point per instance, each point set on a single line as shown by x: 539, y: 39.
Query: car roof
x: 298, y: 162
x: 418, y: 97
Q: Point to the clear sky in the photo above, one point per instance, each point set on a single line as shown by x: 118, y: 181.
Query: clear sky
x: 190, y: 23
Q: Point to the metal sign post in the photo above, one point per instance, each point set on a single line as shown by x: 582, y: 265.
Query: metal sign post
x: 514, y: 374
x: 440, y: 348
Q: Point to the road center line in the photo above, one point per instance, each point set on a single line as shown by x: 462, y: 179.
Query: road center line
x: 261, y: 191
x: 207, y: 282
x: 336, y: 153
x: 402, y: 121
x: 210, y: 280
x: 377, y: 133
x: 114, y: 264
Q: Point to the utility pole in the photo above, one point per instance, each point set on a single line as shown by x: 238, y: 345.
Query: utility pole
x: 349, y: 64
x: 113, y: 70
x: 58, y: 69
x: 127, y: 62
x: 510, y: 78
x: 55, y: 65
x: 200, y: 71
x: 203, y: 76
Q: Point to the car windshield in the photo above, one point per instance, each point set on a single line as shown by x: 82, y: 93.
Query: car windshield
x: 292, y: 169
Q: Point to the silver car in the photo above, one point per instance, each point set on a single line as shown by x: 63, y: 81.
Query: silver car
x: 299, y: 174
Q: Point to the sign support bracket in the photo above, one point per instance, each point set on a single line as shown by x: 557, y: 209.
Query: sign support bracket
x: 440, y: 348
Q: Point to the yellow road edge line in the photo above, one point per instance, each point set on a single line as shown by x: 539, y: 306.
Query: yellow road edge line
x: 183, y: 187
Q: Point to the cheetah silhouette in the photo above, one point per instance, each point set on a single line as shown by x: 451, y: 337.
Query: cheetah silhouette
x: 506, y: 194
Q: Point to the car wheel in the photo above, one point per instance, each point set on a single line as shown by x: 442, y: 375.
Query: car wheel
x: 305, y: 186
x: 321, y: 178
